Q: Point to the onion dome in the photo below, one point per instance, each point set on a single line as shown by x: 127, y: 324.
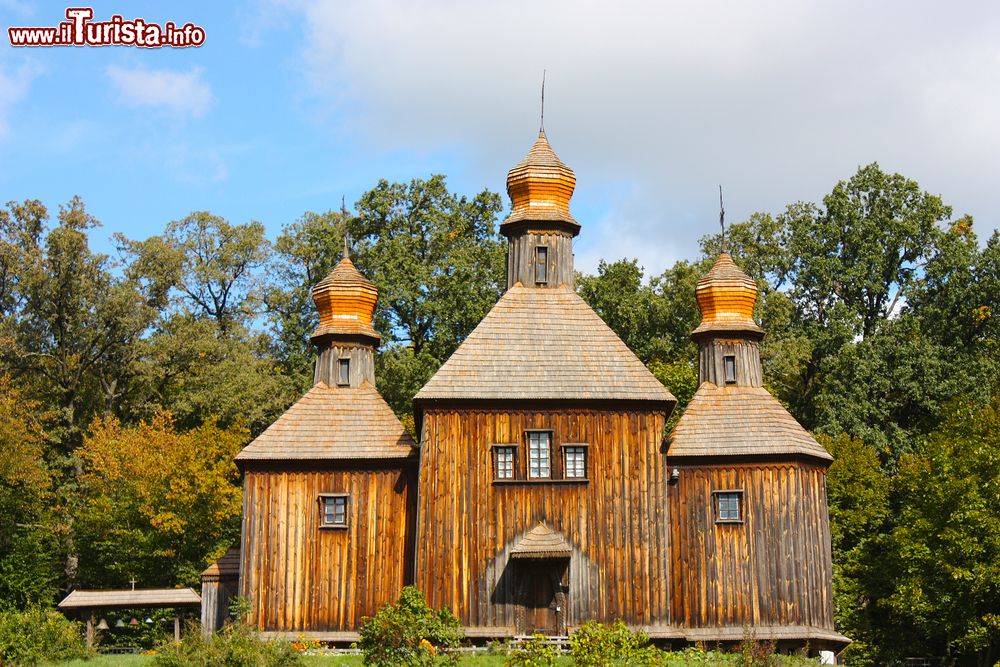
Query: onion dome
x: 346, y: 302
x: 540, y: 187
x: 726, y: 297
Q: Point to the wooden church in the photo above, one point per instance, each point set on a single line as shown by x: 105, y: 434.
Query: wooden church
x: 542, y: 492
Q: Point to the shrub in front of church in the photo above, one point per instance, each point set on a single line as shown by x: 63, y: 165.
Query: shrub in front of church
x: 536, y: 651
x: 594, y: 644
x: 37, y: 635
x: 410, y: 632
x: 236, y: 645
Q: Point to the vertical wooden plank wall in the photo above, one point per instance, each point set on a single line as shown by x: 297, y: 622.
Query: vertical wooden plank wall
x: 616, y: 521
x: 300, y: 577
x: 773, y: 569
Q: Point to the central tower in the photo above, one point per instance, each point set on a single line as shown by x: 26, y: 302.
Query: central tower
x: 541, y: 479
x: 540, y: 228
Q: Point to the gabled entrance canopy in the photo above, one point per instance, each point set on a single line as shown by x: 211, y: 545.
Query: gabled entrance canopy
x: 541, y: 543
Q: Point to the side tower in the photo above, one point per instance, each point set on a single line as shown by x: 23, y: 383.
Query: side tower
x: 749, y: 525
x: 542, y: 478
x: 330, y: 488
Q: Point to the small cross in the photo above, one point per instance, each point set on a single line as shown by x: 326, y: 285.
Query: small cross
x: 132, y: 581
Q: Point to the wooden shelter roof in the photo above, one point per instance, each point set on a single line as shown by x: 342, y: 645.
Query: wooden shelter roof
x: 333, y: 423
x: 227, y: 566
x: 542, y: 542
x: 543, y: 344
x: 739, y: 421
x: 143, y: 597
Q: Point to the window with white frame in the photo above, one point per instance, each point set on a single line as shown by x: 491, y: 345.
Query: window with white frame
x: 504, y: 461
x: 539, y: 449
x: 574, y: 462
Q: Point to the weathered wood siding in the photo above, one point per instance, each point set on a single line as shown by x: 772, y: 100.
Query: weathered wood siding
x: 299, y: 576
x: 772, y: 569
x: 711, y: 367
x: 615, y: 522
x: 521, y: 258
x: 362, y: 364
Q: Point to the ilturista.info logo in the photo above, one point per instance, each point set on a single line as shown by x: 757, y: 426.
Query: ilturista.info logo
x: 80, y: 29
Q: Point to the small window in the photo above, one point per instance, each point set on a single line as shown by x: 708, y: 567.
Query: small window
x: 575, y: 462
x: 728, y: 507
x: 730, y: 365
x: 541, y: 264
x: 539, y: 465
x: 343, y: 371
x: 333, y: 510
x: 503, y: 461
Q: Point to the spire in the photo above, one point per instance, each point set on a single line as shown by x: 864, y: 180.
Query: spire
x: 726, y: 297
x: 540, y: 187
x: 346, y: 302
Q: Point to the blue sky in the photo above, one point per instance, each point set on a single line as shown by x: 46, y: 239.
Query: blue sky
x: 291, y: 104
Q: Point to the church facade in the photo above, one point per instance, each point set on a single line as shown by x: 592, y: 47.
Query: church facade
x: 543, y: 491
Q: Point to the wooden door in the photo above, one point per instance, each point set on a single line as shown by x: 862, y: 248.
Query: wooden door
x: 543, y: 597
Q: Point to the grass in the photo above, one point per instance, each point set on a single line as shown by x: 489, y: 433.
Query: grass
x: 479, y: 660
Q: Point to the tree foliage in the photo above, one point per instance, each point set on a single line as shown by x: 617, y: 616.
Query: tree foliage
x: 156, y: 503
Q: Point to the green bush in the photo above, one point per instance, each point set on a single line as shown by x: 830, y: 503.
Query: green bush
x: 410, y: 632
x: 35, y: 635
x: 533, y: 652
x: 236, y: 645
x: 597, y: 645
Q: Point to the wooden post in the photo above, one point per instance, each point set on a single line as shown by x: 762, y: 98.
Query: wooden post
x: 177, y: 627
x: 90, y: 631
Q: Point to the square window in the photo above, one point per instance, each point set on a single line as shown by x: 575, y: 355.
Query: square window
x: 730, y: 365
x: 574, y: 462
x: 541, y: 264
x: 728, y: 506
x: 539, y: 465
x: 503, y: 457
x: 333, y: 510
x: 343, y: 371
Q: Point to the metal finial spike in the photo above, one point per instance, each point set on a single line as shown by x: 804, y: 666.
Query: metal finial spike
x: 343, y: 222
x: 541, y: 126
x: 722, y: 220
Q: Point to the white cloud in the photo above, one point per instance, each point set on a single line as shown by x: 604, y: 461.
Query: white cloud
x: 183, y: 93
x: 14, y: 86
x: 776, y: 100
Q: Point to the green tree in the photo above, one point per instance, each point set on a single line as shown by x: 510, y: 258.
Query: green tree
x: 858, y: 494
x: 29, y: 544
x: 212, y: 263
x: 156, y: 503
x: 944, y: 551
x: 435, y: 257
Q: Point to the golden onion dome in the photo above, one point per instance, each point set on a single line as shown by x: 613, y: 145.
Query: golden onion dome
x: 726, y: 297
x: 540, y: 187
x: 346, y: 302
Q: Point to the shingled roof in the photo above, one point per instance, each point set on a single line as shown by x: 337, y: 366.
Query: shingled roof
x: 739, y: 421
x: 332, y: 424
x: 141, y: 598
x: 542, y: 542
x: 543, y: 344
x: 226, y: 567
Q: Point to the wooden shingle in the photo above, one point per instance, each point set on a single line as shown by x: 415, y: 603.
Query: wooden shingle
x: 739, y: 421
x: 542, y: 542
x: 141, y: 598
x: 330, y: 423
x: 543, y: 344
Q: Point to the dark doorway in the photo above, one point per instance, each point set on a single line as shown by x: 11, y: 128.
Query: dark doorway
x: 542, y: 593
